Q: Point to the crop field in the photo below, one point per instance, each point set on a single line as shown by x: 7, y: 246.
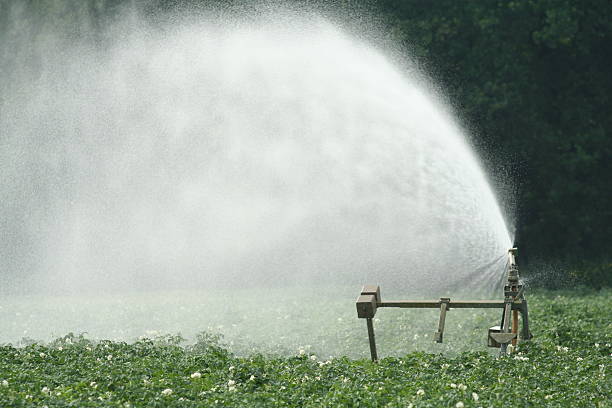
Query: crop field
x: 567, y: 363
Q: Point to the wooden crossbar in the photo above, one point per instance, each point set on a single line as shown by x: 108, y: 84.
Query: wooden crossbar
x: 435, y: 304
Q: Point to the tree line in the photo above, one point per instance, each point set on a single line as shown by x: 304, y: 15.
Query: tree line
x: 533, y: 80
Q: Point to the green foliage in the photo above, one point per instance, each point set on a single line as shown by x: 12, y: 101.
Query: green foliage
x: 593, y: 274
x: 566, y: 364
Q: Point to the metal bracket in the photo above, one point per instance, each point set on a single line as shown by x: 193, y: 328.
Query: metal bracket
x: 503, y: 338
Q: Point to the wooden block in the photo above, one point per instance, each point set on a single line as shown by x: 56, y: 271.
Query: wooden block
x: 372, y: 290
x: 366, y: 306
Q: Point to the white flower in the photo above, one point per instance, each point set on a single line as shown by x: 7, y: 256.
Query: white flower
x: 459, y: 404
x: 109, y: 357
x: 302, y: 352
x: 231, y: 382
x: 596, y: 345
x: 196, y: 375
x: 60, y: 348
x: 232, y: 388
x: 167, y: 391
x: 252, y: 377
x: 445, y: 365
x: 579, y: 359
x: 93, y: 384
x: 4, y: 383
x: 231, y: 368
x: 45, y: 390
x: 313, y: 357
x: 420, y: 392
x: 453, y: 385
x: 475, y: 396
x: 462, y: 387
x: 548, y: 396
x: 42, y: 355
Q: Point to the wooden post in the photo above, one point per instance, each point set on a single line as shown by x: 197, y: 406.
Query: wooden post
x: 515, y: 326
x: 525, y: 318
x: 372, y: 339
x: 505, y: 328
x: 443, y: 307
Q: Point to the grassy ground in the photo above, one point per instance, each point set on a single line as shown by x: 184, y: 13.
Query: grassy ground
x: 566, y: 364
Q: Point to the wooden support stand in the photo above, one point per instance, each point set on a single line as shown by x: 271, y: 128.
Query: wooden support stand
x: 499, y: 336
x: 369, y: 301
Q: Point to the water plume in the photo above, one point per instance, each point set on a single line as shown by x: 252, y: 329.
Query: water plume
x: 225, y: 154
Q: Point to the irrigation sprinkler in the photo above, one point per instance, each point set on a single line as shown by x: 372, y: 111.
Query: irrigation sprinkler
x: 498, y: 336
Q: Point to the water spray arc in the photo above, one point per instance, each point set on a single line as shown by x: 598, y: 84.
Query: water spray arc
x: 499, y: 336
x: 226, y: 156
x: 241, y: 143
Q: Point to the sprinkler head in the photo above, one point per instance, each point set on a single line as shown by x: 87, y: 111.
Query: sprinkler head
x: 513, y: 276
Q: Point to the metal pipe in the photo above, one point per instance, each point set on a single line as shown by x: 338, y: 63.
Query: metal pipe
x: 512, y: 256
